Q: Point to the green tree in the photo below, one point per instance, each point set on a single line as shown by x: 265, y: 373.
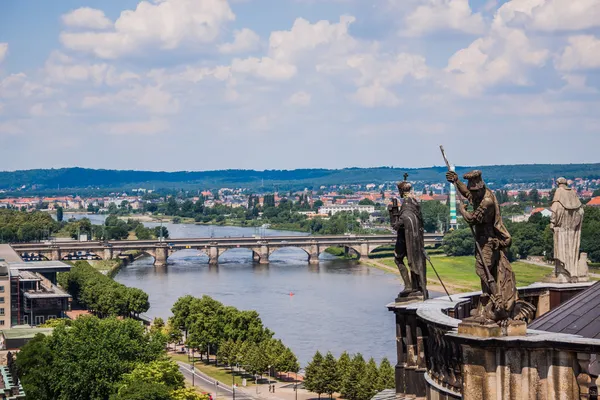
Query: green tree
x: 329, y: 375
x: 343, y: 368
x: 188, y: 394
x: 368, y: 385
x: 144, y: 391
x: 352, y: 389
x: 313, y: 376
x: 386, y: 378
x: 459, y: 243
x: 366, y: 202
x: 35, y: 364
x: 436, y: 216
x: 163, y: 372
x: 59, y: 214
x: 70, y: 359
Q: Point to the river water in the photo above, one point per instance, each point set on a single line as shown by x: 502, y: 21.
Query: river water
x: 334, y: 306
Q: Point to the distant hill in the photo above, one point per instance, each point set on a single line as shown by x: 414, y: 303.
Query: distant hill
x: 41, y: 180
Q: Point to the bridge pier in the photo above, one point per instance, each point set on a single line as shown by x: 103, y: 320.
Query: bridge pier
x: 364, y: 252
x: 255, y: 256
x: 108, y: 253
x: 56, y: 254
x: 264, y: 254
x: 161, y: 253
x: 313, y: 255
x: 213, y: 255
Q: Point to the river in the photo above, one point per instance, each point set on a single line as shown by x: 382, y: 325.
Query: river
x: 334, y: 306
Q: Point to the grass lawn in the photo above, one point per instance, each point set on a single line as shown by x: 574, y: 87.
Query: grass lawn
x: 459, y: 272
x: 219, y: 373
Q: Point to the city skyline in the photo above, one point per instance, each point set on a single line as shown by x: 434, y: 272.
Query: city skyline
x: 204, y: 85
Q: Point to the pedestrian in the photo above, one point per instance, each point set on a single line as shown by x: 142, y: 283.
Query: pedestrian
x: 273, y: 388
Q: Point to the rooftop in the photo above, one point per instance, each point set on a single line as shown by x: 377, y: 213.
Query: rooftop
x: 24, y: 333
x: 578, y: 316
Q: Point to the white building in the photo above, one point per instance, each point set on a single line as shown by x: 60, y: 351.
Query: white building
x: 336, y: 208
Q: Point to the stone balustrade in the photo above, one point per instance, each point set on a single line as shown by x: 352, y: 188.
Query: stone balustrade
x: 436, y: 362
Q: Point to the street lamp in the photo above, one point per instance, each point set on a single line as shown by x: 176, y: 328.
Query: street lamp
x: 193, y: 367
x: 233, y: 382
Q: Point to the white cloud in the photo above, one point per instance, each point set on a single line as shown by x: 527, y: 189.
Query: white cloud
x: 3, y: 51
x: 150, y: 127
x: 265, y: 68
x: 443, y: 15
x: 300, y: 98
x: 151, y: 99
x: 61, y: 68
x: 387, y: 70
x: 86, y: 17
x: 166, y: 24
x: 245, y: 40
x: 375, y: 96
x: 331, y: 39
x: 583, y: 52
x: 11, y: 127
x: 504, y: 55
x: 550, y: 15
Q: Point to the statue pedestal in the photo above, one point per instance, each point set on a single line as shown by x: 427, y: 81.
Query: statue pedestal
x: 410, y: 298
x: 473, y: 327
x: 552, y: 278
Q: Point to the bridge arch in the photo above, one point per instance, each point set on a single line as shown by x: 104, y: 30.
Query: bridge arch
x: 300, y: 248
x: 33, y: 256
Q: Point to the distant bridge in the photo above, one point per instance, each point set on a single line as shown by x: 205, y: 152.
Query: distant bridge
x: 262, y: 247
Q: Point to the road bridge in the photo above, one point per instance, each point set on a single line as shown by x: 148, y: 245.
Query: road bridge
x: 261, y: 247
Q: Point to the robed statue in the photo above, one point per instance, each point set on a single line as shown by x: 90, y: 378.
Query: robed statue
x: 565, y: 222
x: 407, y: 221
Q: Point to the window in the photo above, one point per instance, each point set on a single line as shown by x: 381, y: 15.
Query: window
x: 2, y: 289
x: 2, y: 299
x: 1, y: 311
x: 39, y: 319
x: 1, y: 322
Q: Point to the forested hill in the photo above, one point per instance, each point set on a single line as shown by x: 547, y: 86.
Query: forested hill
x: 74, y: 178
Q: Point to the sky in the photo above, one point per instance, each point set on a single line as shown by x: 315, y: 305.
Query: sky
x: 284, y: 84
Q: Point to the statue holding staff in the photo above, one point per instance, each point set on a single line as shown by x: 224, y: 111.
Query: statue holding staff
x: 492, y: 240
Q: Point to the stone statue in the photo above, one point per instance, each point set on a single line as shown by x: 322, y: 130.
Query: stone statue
x: 407, y: 221
x: 565, y: 222
x: 499, y: 298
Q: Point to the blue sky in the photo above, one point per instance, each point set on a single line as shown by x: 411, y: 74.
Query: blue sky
x: 281, y: 84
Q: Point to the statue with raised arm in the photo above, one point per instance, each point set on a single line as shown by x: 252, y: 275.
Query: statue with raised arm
x: 565, y: 222
x: 492, y: 241
x: 407, y: 221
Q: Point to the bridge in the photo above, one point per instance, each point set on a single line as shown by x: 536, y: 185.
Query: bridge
x: 262, y: 247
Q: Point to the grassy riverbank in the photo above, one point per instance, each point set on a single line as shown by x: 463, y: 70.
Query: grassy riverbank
x: 458, y: 273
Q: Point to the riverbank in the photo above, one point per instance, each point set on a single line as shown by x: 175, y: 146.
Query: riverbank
x: 458, y: 273
x: 112, y: 267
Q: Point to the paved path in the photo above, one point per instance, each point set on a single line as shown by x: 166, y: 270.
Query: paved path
x: 283, y: 390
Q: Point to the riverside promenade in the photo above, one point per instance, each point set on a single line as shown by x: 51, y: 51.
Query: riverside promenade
x: 283, y: 390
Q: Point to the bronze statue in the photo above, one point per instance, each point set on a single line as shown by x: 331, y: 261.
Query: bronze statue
x: 407, y: 221
x: 492, y: 241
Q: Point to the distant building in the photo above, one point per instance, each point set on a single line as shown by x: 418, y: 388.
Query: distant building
x: 595, y: 202
x: 336, y: 208
x: 542, y: 210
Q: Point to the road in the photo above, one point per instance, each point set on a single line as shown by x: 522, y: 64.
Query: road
x: 207, y: 384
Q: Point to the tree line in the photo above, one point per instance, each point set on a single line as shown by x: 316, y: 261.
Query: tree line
x: 101, y: 294
x: 352, y: 377
x: 234, y: 336
x: 101, y: 359
x: 532, y: 238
